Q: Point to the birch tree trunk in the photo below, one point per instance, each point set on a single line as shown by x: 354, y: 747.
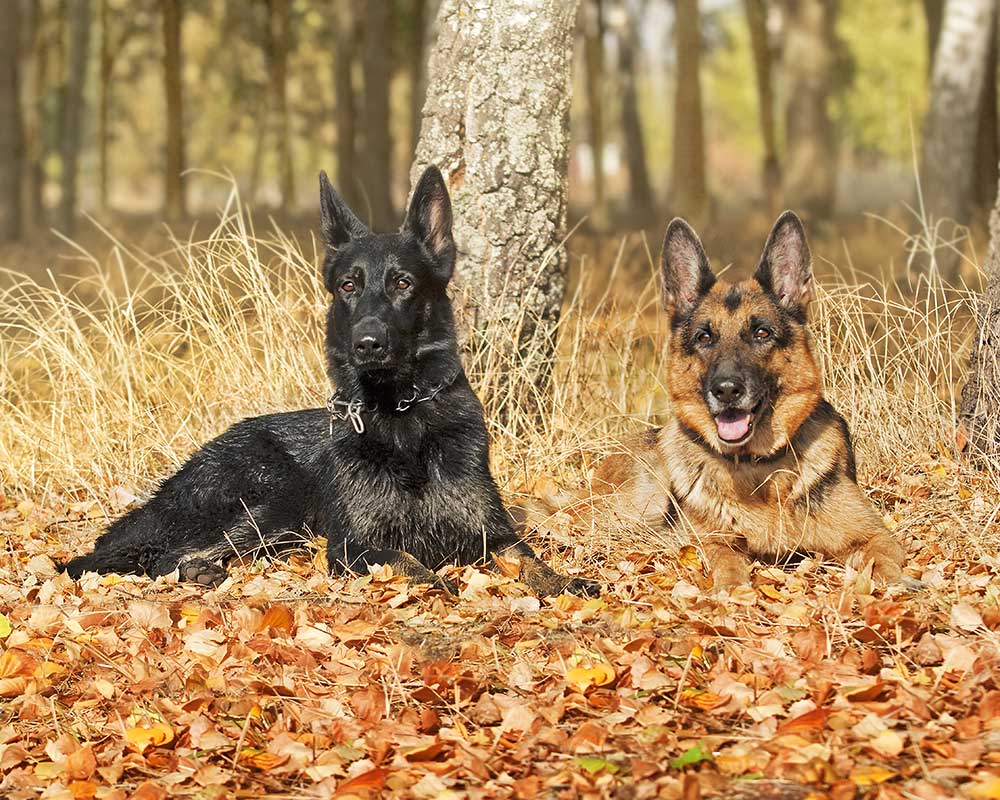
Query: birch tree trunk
x: 951, y: 124
x: 11, y: 128
x: 980, y: 409
x: 770, y: 169
x: 496, y: 121
x: 810, y: 171
x: 689, y: 195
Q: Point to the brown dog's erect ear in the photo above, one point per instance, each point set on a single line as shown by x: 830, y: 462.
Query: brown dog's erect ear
x: 340, y: 225
x: 429, y: 219
x: 684, y: 271
x: 785, y: 268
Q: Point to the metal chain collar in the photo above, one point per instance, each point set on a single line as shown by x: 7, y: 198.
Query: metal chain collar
x: 340, y: 407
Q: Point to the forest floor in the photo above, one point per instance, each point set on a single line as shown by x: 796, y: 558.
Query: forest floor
x: 285, y: 682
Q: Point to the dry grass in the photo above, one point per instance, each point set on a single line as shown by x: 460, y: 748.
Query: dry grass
x: 118, y: 388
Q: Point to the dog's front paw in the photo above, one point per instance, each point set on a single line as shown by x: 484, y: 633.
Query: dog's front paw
x: 202, y: 571
x: 584, y: 587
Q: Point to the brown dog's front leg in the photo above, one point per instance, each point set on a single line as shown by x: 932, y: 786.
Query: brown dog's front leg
x: 729, y: 565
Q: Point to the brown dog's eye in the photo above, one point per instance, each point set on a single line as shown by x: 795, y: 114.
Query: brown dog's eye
x: 703, y: 337
x: 762, y: 334
x: 347, y: 287
x: 403, y: 284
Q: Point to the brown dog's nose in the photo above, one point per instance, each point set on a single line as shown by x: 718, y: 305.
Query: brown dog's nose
x: 728, y: 390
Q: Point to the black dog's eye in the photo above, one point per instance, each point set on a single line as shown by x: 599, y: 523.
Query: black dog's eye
x: 762, y: 334
x: 703, y: 337
x: 403, y: 284
x: 347, y: 287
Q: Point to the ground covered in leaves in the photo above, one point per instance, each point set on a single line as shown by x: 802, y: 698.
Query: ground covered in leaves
x: 285, y: 682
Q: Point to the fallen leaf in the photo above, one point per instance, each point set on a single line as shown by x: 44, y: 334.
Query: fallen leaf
x: 142, y: 737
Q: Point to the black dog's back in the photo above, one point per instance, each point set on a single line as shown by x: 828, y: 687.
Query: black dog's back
x: 233, y: 497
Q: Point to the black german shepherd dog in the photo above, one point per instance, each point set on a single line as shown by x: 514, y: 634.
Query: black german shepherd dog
x: 394, y: 471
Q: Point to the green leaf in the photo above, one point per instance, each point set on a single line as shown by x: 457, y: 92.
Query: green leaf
x: 693, y: 755
x: 593, y: 764
x: 5, y: 629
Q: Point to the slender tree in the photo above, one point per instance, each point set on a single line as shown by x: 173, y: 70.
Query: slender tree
x: 376, y: 156
x: 810, y: 169
x: 497, y: 122
x: 592, y: 18
x: 277, y: 40
x: 175, y: 206
x: 933, y: 14
x: 73, y: 109
x: 987, y: 171
x: 418, y: 67
x: 689, y: 193
x: 756, y: 11
x: 640, y: 193
x: 952, y: 121
x: 12, y: 128
x: 344, y: 55
x: 34, y: 76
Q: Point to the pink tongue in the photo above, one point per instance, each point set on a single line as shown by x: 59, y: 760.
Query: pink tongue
x: 733, y: 425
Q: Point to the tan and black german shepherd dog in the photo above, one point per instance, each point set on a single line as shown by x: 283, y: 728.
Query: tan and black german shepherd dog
x: 753, y: 462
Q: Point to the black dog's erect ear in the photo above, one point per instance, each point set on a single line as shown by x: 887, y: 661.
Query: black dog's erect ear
x: 684, y: 271
x: 340, y: 225
x: 429, y: 219
x: 785, y: 268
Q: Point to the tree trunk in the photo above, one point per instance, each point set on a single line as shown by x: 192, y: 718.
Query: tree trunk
x: 810, y: 172
x: 376, y: 155
x: 496, y: 122
x: 987, y: 169
x: 689, y: 194
x: 35, y: 77
x: 933, y: 14
x: 952, y: 120
x: 11, y: 129
x: 345, y: 35
x: 73, y: 108
x: 418, y: 71
x: 770, y: 169
x: 104, y: 102
x: 175, y: 205
x: 640, y: 193
x: 277, y: 45
x: 593, y: 52
x: 980, y: 408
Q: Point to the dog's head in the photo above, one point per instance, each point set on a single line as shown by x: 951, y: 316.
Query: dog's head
x: 390, y: 307
x: 741, y: 374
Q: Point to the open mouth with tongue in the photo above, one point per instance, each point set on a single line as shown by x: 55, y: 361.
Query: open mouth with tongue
x: 735, y: 425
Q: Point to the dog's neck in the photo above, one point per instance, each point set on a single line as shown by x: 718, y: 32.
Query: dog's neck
x: 433, y: 371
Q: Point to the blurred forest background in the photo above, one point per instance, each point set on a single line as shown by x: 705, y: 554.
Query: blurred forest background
x: 723, y: 111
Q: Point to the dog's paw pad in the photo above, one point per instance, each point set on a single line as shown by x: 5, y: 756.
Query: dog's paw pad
x: 584, y: 587
x: 202, y: 572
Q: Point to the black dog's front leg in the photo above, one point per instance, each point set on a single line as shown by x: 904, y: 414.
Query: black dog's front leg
x: 539, y: 576
x: 347, y: 556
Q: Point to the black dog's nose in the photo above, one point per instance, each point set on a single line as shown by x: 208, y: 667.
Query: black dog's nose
x: 728, y: 390
x: 369, y: 338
